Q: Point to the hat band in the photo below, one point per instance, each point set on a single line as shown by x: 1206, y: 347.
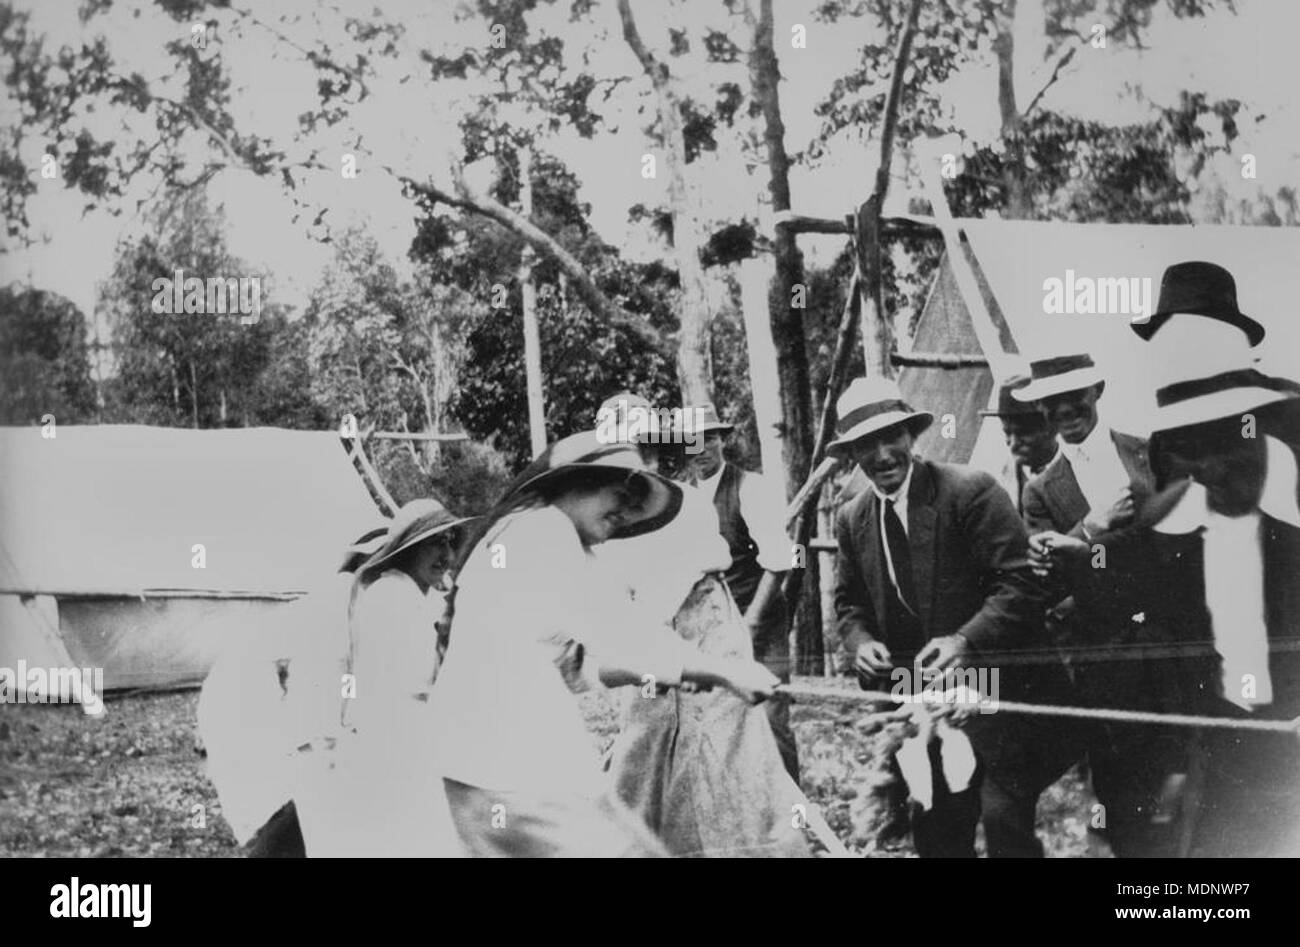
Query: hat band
x: 1224, y: 381
x: 1051, y: 367
x: 868, y: 411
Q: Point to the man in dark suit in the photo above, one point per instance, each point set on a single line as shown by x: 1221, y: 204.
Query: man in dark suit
x: 1221, y: 561
x: 1085, y: 499
x: 932, y: 570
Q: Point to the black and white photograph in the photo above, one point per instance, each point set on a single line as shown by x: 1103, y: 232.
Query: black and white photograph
x: 651, y: 428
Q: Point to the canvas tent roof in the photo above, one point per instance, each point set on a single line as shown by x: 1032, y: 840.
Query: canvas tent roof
x: 97, y: 533
x: 1013, y: 259
x: 118, y: 509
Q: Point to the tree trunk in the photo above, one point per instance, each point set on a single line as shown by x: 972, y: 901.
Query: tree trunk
x: 787, y: 327
x: 194, y: 395
x: 694, y: 358
x: 1013, y: 172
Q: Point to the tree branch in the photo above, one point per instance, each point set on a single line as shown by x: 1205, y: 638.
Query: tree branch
x: 1051, y: 80
x: 540, y: 240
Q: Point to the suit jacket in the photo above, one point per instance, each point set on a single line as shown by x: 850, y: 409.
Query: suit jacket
x: 1176, y: 621
x: 969, y: 561
x: 1053, y: 499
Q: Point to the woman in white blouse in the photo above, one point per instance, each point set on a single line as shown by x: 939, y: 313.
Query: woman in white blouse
x: 533, y: 622
x: 369, y: 788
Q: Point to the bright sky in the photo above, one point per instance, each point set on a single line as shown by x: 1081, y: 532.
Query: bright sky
x: 408, y: 122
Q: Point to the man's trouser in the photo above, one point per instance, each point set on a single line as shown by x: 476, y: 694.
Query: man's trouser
x: 1021, y: 756
x: 947, y: 828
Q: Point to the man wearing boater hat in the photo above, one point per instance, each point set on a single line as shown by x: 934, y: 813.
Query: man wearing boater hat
x: 1197, y: 311
x: 751, y: 509
x: 1074, y: 510
x: 1031, y: 441
x: 932, y: 569
x: 1221, y: 557
x: 1220, y: 562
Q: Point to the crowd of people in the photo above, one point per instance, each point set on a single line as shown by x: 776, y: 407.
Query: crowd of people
x: 428, y: 706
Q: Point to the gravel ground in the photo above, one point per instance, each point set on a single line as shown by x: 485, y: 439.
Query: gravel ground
x: 131, y: 781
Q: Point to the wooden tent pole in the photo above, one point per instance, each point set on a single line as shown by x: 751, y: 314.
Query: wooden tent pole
x: 372, y: 476
x: 986, y: 330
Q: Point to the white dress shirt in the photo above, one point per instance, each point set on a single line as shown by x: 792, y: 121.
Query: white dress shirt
x: 899, y: 499
x: 658, y: 570
x: 1234, y: 573
x: 1097, y: 468
x: 762, y: 504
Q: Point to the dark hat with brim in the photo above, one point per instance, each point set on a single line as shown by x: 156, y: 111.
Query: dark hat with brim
x: 868, y: 406
x: 416, y: 522
x: 1008, y: 405
x: 1198, y: 289
x: 1058, y: 375
x: 703, y: 418
x: 583, y: 456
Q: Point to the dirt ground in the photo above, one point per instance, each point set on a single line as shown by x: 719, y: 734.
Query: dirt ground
x: 131, y: 781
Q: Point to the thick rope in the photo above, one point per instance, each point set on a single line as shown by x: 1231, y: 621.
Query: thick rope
x: 813, y: 693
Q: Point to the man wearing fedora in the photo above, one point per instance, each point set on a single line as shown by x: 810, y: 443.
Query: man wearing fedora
x: 931, y: 571
x: 751, y: 510
x: 1031, y: 441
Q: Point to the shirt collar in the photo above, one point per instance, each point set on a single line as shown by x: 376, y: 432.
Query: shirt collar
x: 1030, y: 472
x: 1278, y: 498
x: 1098, y: 439
x: 710, y: 485
x: 901, y: 492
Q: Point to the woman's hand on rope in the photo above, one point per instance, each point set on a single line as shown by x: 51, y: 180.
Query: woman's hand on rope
x: 747, y: 679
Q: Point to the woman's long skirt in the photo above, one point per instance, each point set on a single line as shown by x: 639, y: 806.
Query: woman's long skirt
x: 702, y: 769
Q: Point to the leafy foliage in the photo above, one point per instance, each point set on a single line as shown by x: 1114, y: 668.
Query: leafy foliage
x: 44, y: 359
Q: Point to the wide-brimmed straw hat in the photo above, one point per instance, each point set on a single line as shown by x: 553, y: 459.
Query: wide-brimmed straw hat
x: 1008, y: 405
x: 869, y: 405
x: 583, y: 455
x: 703, y: 418
x: 1227, y: 394
x: 416, y: 521
x: 1199, y: 289
x: 362, y: 548
x: 1057, y: 375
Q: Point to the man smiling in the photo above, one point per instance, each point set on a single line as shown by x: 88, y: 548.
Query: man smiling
x: 932, y: 571
x: 1081, y: 504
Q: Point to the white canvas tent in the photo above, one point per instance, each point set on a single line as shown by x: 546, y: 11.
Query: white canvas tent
x: 98, y: 533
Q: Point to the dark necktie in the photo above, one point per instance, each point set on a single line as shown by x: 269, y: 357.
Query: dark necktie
x: 901, y: 555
